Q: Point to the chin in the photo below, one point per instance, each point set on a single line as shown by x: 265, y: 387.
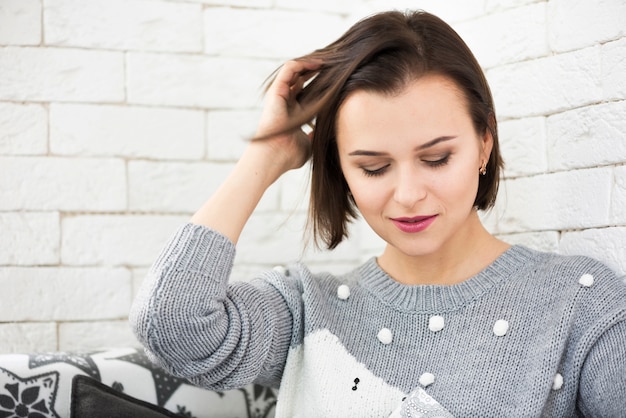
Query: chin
x: 415, y: 249
x: 419, y: 252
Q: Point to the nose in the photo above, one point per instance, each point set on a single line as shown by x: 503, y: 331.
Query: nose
x: 409, y: 187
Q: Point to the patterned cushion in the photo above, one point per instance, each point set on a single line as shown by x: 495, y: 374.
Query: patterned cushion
x: 93, y: 399
x: 39, y: 385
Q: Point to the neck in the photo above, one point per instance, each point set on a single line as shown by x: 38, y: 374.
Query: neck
x: 465, y: 255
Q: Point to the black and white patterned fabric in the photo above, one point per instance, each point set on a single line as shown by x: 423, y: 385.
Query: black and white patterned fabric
x: 38, y: 385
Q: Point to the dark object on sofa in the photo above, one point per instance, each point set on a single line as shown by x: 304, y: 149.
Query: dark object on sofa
x: 40, y: 385
x: 92, y: 399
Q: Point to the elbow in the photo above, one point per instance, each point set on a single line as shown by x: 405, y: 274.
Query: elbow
x: 184, y: 345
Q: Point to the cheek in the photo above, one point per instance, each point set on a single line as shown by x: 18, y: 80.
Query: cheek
x: 459, y: 184
x: 357, y: 190
x: 368, y: 193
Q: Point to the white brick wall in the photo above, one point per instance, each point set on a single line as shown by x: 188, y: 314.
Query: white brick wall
x: 138, y: 25
x: 24, y: 129
x: 50, y: 74
x: 125, y: 131
x: 118, y: 118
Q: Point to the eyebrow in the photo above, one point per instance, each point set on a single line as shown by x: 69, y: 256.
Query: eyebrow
x: 424, y: 146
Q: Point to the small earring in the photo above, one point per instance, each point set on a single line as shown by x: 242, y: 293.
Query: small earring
x: 483, y: 169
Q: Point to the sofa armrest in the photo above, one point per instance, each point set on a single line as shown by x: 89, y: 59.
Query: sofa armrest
x: 42, y: 382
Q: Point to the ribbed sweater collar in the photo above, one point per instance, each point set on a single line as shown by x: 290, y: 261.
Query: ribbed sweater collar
x: 438, y: 298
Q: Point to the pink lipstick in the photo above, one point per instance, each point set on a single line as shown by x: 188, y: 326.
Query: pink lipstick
x: 414, y: 224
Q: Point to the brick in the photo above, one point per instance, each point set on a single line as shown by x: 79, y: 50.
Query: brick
x: 64, y: 294
x: 369, y: 243
x: 280, y: 238
x: 126, y: 131
x: 262, y: 33
x: 618, y: 196
x: 364, y: 241
x: 491, y: 217
x: 196, y: 81
x: 173, y: 187
x: 124, y: 24
x: 514, y: 35
x: 576, y: 24
x: 547, y: 85
x: 29, y: 238
x: 348, y: 251
x: 295, y: 189
x: 564, y: 200
x: 541, y: 241
x: 587, y: 137
x: 95, y: 335
x: 498, y: 5
x: 20, y: 22
x: 613, y: 70
x: 64, y: 75
x: 271, y: 238
x: 49, y: 183
x: 23, y: 129
x: 187, y: 186
x: 235, y: 3
x: 450, y: 11
x: 115, y: 240
x: 605, y: 244
x: 327, y: 6
x: 523, y: 146
x: 271, y: 199
x: 139, y: 275
x: 228, y: 133
x: 18, y: 338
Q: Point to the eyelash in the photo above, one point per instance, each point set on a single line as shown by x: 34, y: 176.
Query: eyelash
x: 440, y: 162
x: 433, y: 164
x: 374, y: 173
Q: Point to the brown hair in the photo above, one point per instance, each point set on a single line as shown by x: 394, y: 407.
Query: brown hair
x: 383, y: 53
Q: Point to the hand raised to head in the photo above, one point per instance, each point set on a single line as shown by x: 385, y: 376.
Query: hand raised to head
x: 289, y: 144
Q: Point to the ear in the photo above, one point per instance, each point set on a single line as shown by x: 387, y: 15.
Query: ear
x: 486, y: 140
x: 486, y: 143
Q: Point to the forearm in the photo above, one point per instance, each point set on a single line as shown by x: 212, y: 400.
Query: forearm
x: 230, y: 207
x: 264, y: 160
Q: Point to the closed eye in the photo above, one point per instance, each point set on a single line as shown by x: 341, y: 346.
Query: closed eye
x: 438, y: 162
x: 375, y: 172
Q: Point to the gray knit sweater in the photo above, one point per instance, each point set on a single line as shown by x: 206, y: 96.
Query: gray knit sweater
x: 534, y: 334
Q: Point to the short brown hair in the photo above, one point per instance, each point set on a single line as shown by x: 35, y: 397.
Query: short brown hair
x: 383, y: 53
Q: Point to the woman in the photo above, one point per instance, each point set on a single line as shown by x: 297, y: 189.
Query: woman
x: 448, y: 320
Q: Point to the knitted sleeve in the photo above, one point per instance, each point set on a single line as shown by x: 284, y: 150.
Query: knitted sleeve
x: 603, y: 377
x: 601, y: 344
x: 196, y: 326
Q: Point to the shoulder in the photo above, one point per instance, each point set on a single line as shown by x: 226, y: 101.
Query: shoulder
x: 581, y: 269
x: 590, y: 285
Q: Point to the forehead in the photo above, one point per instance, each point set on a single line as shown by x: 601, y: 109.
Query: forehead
x: 424, y: 108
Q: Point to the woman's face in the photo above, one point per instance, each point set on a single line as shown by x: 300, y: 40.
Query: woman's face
x: 412, y: 163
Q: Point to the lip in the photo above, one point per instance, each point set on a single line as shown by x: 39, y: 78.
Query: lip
x: 414, y: 224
